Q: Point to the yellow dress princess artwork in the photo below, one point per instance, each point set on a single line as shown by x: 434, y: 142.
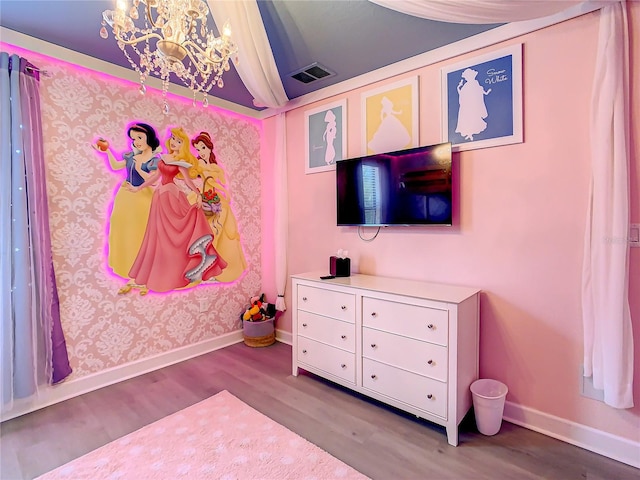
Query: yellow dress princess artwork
x: 129, y: 214
x: 217, y: 207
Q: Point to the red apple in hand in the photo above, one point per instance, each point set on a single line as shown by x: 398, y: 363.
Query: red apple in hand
x: 102, y: 144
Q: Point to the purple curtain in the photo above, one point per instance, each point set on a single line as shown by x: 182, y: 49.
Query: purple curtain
x: 34, y: 351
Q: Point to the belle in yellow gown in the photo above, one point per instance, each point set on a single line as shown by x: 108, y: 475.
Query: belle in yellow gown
x: 226, y: 238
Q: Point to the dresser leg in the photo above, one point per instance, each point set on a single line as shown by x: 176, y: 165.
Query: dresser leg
x: 452, y: 435
x: 295, y: 370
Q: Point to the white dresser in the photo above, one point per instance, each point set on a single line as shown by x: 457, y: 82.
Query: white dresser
x: 410, y: 344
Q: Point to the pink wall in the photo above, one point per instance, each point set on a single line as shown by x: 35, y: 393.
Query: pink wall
x: 519, y: 225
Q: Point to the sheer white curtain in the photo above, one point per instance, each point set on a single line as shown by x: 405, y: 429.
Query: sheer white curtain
x: 256, y: 65
x: 608, y: 339
x: 478, y: 11
x: 282, y: 219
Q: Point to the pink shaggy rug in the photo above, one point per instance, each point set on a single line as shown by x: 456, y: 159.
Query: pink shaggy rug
x: 218, y: 438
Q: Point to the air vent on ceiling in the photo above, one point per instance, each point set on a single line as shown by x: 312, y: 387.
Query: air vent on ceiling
x: 311, y: 73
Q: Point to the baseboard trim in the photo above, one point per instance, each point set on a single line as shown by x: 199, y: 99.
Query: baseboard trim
x: 89, y: 383
x: 611, y: 446
x: 284, y: 337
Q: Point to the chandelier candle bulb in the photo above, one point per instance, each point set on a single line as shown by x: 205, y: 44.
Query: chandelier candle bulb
x: 184, y: 45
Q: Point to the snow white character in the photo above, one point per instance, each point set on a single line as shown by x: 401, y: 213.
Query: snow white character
x: 128, y: 219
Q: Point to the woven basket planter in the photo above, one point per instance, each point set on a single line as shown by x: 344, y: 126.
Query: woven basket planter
x: 259, y: 334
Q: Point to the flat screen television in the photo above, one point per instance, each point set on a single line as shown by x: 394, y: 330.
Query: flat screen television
x: 406, y: 187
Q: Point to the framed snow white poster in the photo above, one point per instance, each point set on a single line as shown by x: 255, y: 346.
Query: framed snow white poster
x: 482, y: 100
x: 325, y: 136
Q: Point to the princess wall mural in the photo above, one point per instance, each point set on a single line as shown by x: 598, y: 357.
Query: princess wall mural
x: 171, y: 226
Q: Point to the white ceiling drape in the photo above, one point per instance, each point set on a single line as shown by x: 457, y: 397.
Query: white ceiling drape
x: 608, y: 339
x: 256, y: 66
x: 478, y: 11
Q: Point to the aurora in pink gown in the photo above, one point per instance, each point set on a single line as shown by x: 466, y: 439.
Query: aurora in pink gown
x: 177, y: 246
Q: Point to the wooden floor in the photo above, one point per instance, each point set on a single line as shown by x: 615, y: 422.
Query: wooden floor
x: 380, y: 442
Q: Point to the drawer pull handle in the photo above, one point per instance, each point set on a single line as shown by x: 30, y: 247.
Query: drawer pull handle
x: 429, y: 396
x: 374, y: 376
x: 304, y: 324
x: 373, y: 345
x: 304, y: 299
x: 430, y: 362
x: 343, y: 365
x: 430, y: 326
x: 343, y: 337
x: 304, y: 351
x: 374, y: 314
x: 343, y: 307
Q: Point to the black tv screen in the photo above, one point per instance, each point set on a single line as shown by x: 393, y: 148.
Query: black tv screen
x: 406, y: 187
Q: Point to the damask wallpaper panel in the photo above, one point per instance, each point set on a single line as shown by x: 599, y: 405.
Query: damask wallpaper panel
x: 105, y: 328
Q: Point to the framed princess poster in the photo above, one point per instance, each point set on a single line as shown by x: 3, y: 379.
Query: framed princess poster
x: 390, y: 117
x: 325, y: 137
x: 482, y: 100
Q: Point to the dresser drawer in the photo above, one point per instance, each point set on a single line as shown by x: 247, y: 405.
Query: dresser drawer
x: 329, y: 359
x: 327, y: 302
x: 327, y: 330
x: 422, y: 323
x: 409, y: 354
x: 420, y: 392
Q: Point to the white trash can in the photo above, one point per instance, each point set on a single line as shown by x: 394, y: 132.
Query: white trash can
x: 488, y: 404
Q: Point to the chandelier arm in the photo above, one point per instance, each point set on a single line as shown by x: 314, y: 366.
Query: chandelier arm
x: 151, y: 20
x: 195, y: 62
x: 192, y: 23
x: 195, y: 46
x: 137, y: 40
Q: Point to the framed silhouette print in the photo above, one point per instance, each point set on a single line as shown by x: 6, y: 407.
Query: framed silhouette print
x: 482, y: 100
x: 325, y: 137
x: 390, y: 120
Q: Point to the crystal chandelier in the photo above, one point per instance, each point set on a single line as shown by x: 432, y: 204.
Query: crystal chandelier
x: 171, y: 37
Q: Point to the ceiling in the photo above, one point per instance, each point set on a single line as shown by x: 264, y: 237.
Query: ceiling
x: 347, y: 37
